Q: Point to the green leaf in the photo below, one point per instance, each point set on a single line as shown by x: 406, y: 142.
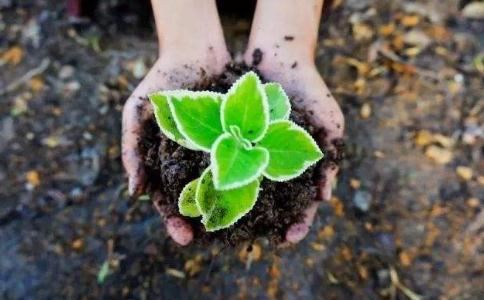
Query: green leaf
x: 197, y: 116
x: 186, y: 202
x: 221, y: 209
x: 165, y: 119
x: 234, y: 163
x: 279, y: 104
x: 291, y: 150
x: 103, y: 272
x: 246, y: 107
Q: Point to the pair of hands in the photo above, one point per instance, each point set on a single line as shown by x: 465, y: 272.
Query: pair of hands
x: 182, y: 67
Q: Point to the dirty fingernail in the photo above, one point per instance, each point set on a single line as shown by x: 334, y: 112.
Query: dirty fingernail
x: 179, y: 230
x: 297, y: 232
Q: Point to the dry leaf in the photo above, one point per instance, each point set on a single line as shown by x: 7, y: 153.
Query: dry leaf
x: 36, y: 84
x: 387, y: 29
x: 439, y: 155
x: 362, y: 32
x: 33, y: 178
x: 13, y: 55
x: 473, y: 202
x: 464, y: 173
x: 326, y: 233
x: 410, y: 20
x: 365, y: 111
x: 355, y: 183
x: 77, y: 244
x: 175, y: 273
x: 474, y: 10
x: 423, y: 138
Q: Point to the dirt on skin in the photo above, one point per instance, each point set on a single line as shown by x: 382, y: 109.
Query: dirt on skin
x: 171, y: 167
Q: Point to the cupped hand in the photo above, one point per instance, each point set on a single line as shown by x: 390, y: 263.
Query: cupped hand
x: 168, y: 73
x: 304, y: 85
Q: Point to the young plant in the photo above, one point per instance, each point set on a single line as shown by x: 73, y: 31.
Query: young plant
x: 248, y: 135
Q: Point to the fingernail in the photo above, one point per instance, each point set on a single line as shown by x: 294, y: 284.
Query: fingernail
x: 297, y: 232
x: 179, y: 230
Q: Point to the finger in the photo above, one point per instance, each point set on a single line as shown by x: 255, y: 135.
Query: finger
x: 177, y: 227
x: 298, y: 231
x: 135, y: 112
x: 325, y: 184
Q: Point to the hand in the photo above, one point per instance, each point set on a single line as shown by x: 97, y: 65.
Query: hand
x: 310, y: 94
x: 186, y: 55
x: 286, y: 34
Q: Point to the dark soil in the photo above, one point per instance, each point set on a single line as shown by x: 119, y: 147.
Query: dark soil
x: 171, y: 167
x: 402, y: 219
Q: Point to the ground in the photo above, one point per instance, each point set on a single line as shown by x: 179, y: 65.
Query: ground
x: 406, y: 220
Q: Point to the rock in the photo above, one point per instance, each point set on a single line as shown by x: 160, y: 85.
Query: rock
x: 362, y: 200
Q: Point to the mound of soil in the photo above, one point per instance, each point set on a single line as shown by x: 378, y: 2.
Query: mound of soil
x: 170, y: 167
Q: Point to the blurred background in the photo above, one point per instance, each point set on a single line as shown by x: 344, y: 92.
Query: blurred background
x: 406, y: 220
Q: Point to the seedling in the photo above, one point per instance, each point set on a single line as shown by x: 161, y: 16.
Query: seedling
x: 248, y: 135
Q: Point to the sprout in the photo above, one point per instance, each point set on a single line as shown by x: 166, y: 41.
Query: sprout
x: 248, y: 135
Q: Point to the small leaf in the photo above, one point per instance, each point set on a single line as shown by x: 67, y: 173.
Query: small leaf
x: 234, y: 164
x: 246, y: 107
x: 165, y: 119
x: 197, y: 116
x: 279, y: 104
x: 186, y: 202
x: 221, y: 209
x: 103, y: 272
x: 291, y: 150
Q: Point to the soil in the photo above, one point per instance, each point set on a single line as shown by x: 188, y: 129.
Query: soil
x: 406, y: 213
x: 171, y: 167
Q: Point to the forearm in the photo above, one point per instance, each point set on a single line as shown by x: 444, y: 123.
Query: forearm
x: 286, y: 29
x: 191, y: 26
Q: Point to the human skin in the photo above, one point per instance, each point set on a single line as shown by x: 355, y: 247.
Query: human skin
x: 184, y: 41
x: 286, y: 33
x: 185, y: 50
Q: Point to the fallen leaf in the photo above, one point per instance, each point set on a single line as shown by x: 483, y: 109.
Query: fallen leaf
x: 33, y: 178
x: 474, y: 10
x: 193, y: 266
x: 439, y: 155
x: 275, y: 271
x: 36, y: 84
x: 103, y: 272
x: 464, y: 173
x: 473, y: 202
x: 318, y: 247
x: 326, y: 233
x: 365, y: 111
x: 410, y: 20
x: 13, y: 55
x: 338, y: 207
x: 175, y: 273
x: 346, y: 253
x: 362, y: 32
x: 77, y: 244
x: 252, y: 252
x: 387, y: 29
x: 355, y: 183
x: 423, y: 138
